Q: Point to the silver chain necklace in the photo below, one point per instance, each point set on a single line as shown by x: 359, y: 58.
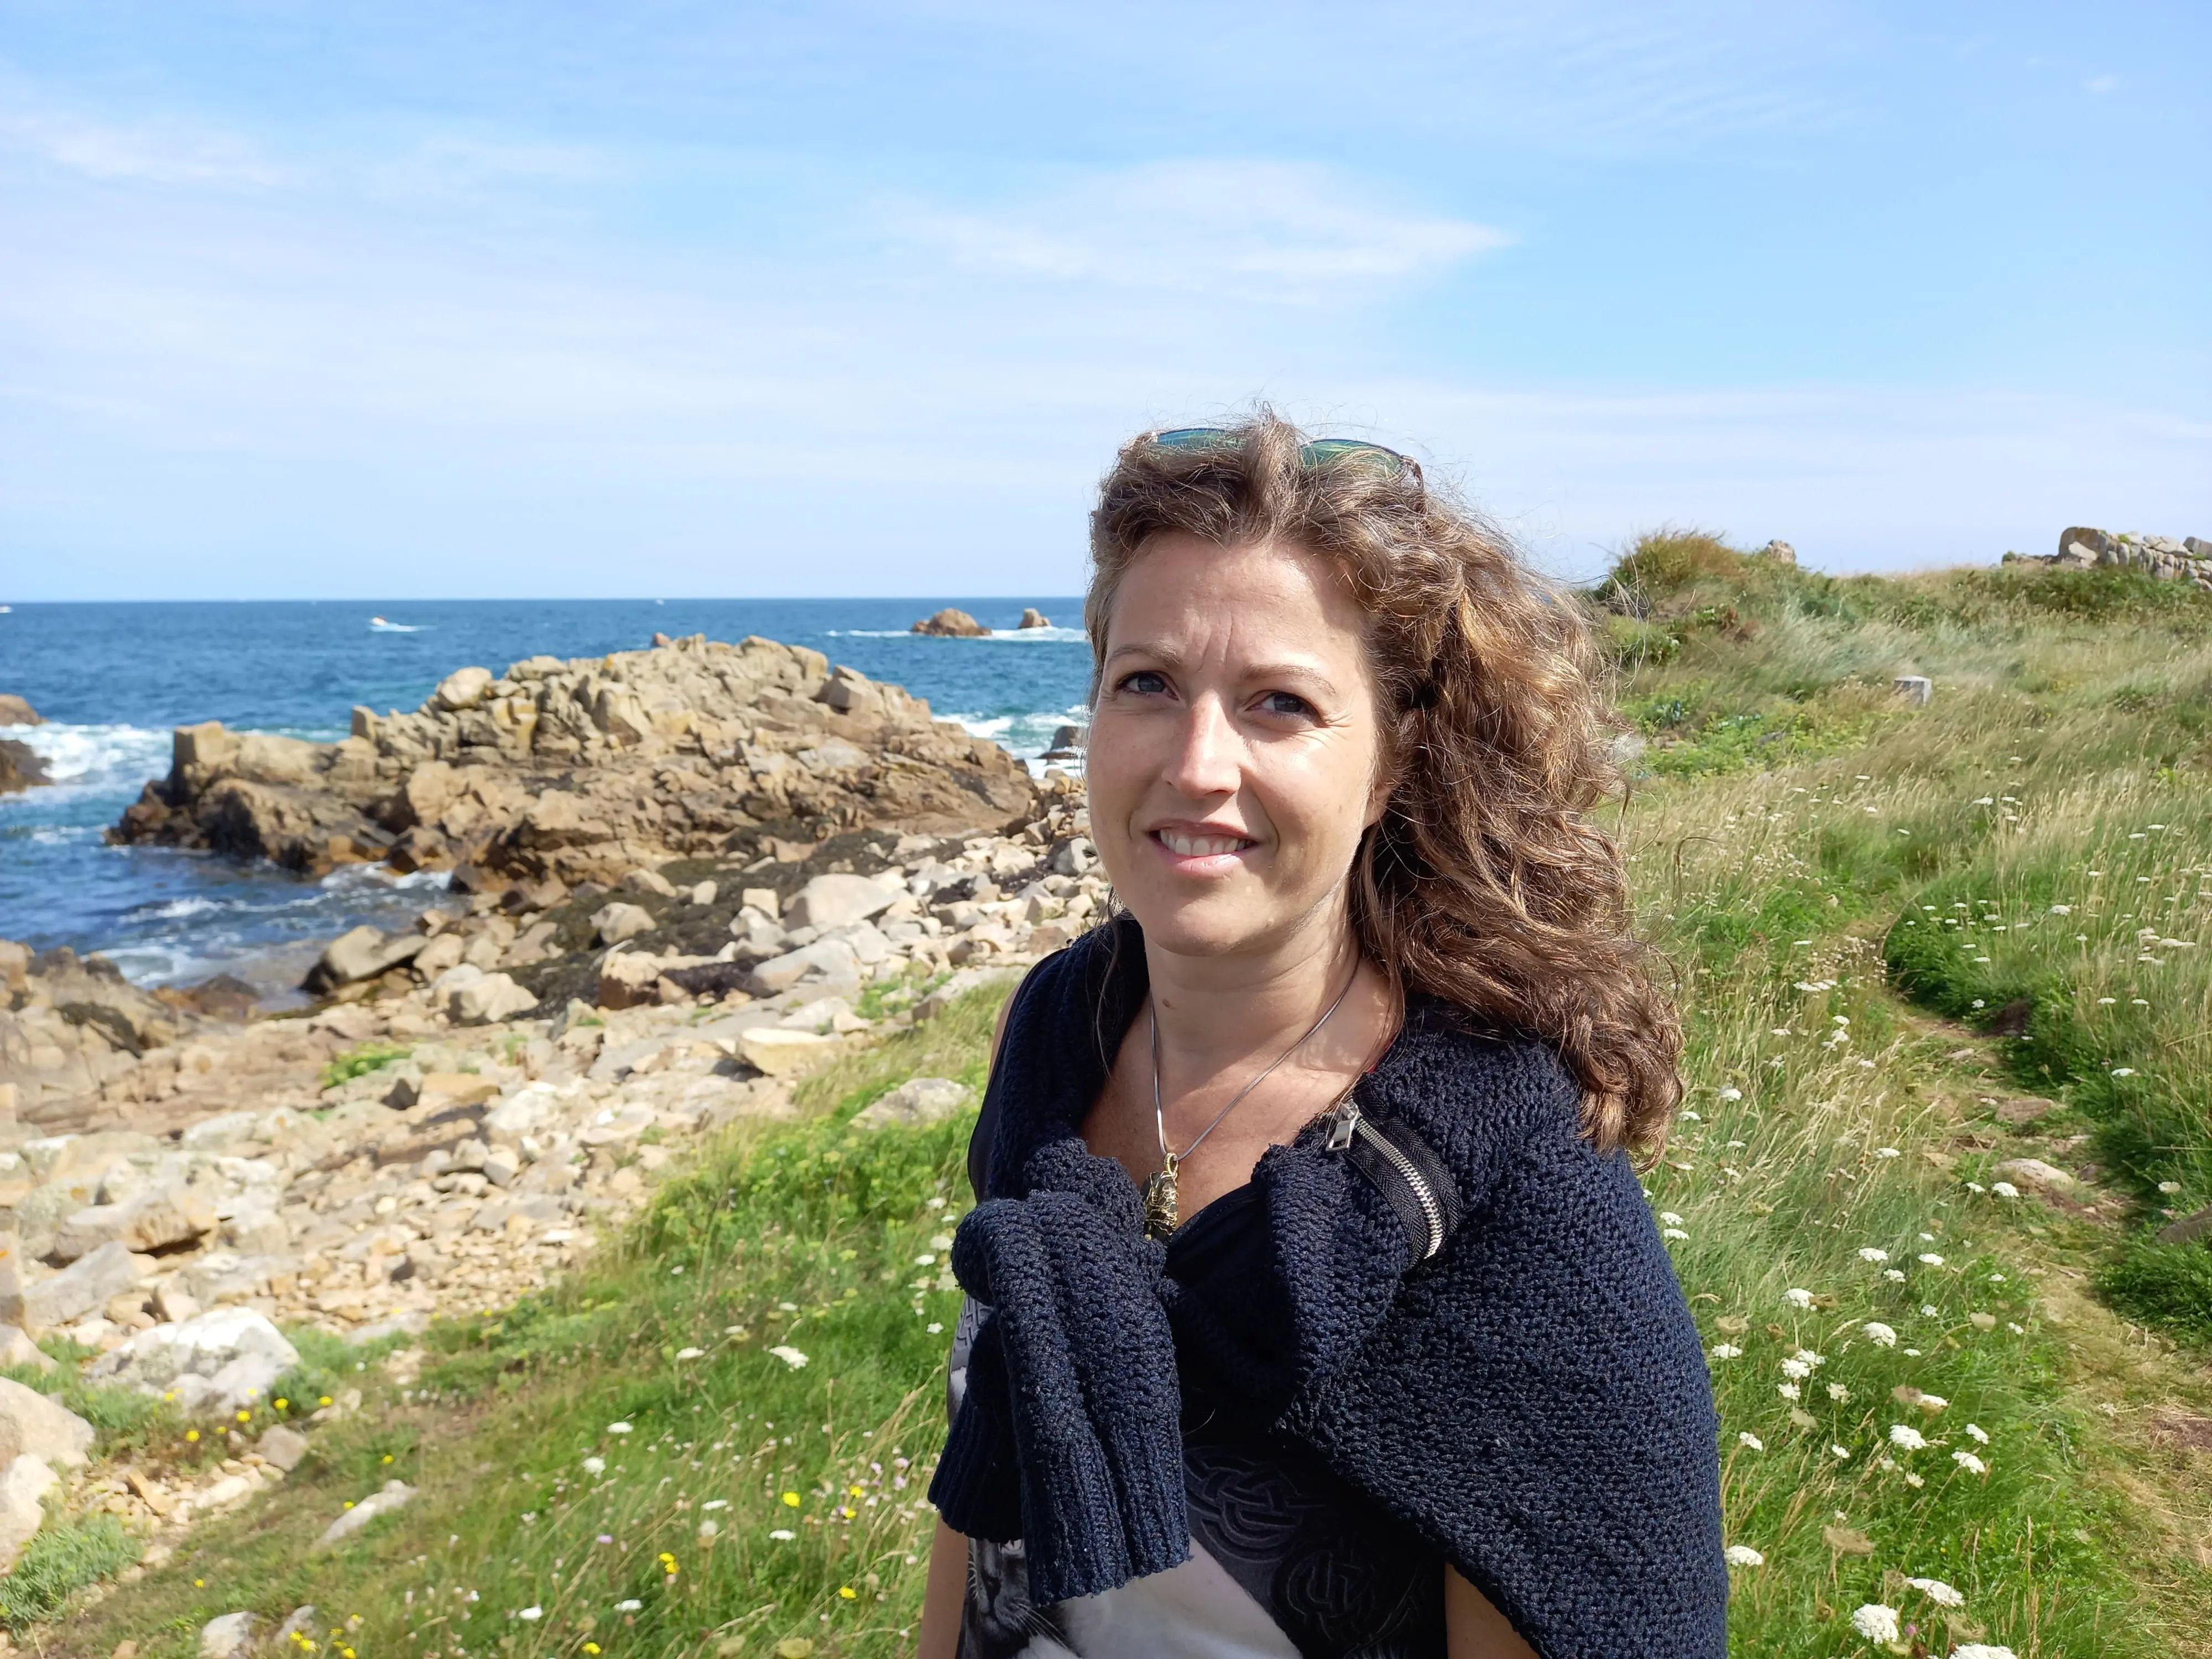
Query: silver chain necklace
x: 1163, y: 1213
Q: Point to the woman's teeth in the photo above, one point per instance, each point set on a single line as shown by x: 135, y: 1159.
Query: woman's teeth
x: 1200, y: 846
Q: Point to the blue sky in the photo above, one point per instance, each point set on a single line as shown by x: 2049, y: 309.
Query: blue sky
x: 474, y: 300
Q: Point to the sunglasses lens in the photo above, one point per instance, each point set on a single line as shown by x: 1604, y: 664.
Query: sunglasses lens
x: 1327, y: 452
x: 1193, y: 437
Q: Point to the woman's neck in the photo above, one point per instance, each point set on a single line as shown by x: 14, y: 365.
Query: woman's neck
x: 1216, y: 1012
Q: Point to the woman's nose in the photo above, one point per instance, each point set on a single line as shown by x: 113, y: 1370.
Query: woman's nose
x: 1210, y: 759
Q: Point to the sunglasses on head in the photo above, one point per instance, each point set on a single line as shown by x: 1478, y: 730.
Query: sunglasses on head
x: 1320, y: 451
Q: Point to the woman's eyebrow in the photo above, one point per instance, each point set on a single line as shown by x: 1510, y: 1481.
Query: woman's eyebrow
x: 1306, y: 673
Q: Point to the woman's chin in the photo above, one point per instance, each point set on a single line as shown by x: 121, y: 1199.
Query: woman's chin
x: 1216, y: 925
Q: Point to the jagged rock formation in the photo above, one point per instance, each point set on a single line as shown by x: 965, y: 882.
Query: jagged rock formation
x: 15, y: 711
x: 580, y: 771
x: 20, y: 766
x: 68, y: 1025
x: 951, y: 624
x: 2081, y: 548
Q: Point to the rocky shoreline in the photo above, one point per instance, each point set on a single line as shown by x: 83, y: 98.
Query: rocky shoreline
x: 682, y: 879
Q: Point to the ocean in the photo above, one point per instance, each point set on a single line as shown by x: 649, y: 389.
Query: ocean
x: 112, y: 680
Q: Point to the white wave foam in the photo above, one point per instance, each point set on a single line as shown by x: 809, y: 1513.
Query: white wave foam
x: 99, y: 755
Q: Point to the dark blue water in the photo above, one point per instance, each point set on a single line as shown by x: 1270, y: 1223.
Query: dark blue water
x: 112, y: 679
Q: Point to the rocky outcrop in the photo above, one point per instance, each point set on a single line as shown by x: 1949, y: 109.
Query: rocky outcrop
x: 950, y: 623
x: 1033, y: 617
x: 69, y: 1025
x: 13, y: 711
x: 21, y: 767
x: 2082, y: 548
x: 559, y: 773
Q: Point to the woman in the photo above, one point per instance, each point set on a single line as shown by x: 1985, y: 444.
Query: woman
x: 1315, y: 1307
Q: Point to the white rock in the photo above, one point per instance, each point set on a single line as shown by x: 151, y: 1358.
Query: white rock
x: 2033, y: 1172
x: 91, y: 1281
x: 829, y: 902
x: 171, y: 1214
x: 16, y: 1348
x: 214, y: 1134
x: 780, y: 1053
x: 232, y: 1636
x: 23, y: 1483
x: 282, y: 1447
x: 918, y: 1100
x: 221, y: 1361
x: 618, y: 921
x: 828, y: 958
x: 488, y: 1000
x: 29, y: 1422
x: 394, y: 1495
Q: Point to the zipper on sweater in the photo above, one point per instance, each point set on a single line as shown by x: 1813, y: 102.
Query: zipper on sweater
x: 1349, y: 1122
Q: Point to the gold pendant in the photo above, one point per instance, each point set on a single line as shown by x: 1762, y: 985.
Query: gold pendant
x: 1161, y: 1213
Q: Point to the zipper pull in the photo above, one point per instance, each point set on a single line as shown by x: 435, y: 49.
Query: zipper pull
x: 1346, y: 1121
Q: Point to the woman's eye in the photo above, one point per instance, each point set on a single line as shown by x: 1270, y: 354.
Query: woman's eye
x: 1144, y: 683
x: 1285, y: 704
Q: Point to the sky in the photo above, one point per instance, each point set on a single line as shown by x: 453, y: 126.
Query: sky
x: 476, y: 300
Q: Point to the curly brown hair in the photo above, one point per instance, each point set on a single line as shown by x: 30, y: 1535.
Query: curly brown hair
x: 1485, y: 883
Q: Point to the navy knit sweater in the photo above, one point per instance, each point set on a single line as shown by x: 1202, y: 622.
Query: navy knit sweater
x: 1532, y: 1401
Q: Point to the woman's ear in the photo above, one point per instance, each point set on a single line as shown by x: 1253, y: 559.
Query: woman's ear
x: 1378, y: 796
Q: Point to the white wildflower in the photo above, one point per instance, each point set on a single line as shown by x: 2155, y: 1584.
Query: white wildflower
x: 1927, y: 1310
x: 2169, y: 1187
x: 789, y: 1355
x: 1976, y: 1431
x: 715, y: 1503
x: 1906, y: 1438
x: 1982, y: 1650
x: 1878, y: 1334
x: 1875, y: 1622
x: 783, y: 1534
x: 1938, y: 1592
x: 1913, y: 1481
x: 2004, y: 1189
x: 1929, y: 1258
x: 1873, y: 1253
x: 1727, y: 1351
x: 1842, y: 1452
x: 2062, y: 910
x: 1731, y: 1094
x: 618, y: 1428
x: 1797, y: 1298
x: 1747, y: 1438
x: 1839, y: 1393
x: 595, y: 1466
x: 530, y: 1615
x: 1742, y: 1555
x: 1786, y: 1390
x: 1886, y: 1152
x: 1932, y: 1402
x: 1670, y: 1218
x: 689, y: 1353
x: 1672, y: 1232
x: 1795, y: 1369
x: 2124, y: 1071
x: 1968, y: 1461
x: 631, y: 1606
x: 1895, y: 1276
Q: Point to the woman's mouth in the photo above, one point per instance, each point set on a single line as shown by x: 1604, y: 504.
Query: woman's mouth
x: 1188, y: 844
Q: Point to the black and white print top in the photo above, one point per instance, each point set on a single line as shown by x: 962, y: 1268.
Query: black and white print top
x: 1286, y: 1560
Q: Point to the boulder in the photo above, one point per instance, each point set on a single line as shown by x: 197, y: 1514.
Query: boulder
x: 282, y: 1447
x: 2035, y: 1175
x: 233, y: 1635
x: 21, y: 767
x: 13, y: 711
x: 1777, y: 551
x: 29, y: 1422
x: 832, y: 901
x: 18, y: 1351
x: 918, y: 1100
x: 23, y: 1484
x: 160, y: 1219
x: 361, y: 953
x: 464, y: 688
x: 86, y: 1284
x: 828, y: 959
x: 394, y: 1496
x: 952, y: 624
x: 490, y: 1000
x: 618, y: 922
x: 642, y: 880
x: 629, y: 979
x: 219, y: 1362
x: 781, y: 1053
x: 1033, y: 617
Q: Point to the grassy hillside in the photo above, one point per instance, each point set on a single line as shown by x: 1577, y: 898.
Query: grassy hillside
x: 1910, y: 942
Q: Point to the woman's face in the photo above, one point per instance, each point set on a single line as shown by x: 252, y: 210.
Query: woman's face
x: 1236, y: 749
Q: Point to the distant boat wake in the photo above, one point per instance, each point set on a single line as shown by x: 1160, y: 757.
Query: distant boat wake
x: 378, y: 625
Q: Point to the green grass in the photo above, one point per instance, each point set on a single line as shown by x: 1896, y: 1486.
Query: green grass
x: 361, y: 1060
x: 1851, y: 904
x: 62, y: 1558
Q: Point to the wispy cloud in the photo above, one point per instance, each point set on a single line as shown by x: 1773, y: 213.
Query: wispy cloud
x: 165, y: 153
x: 1264, y: 229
